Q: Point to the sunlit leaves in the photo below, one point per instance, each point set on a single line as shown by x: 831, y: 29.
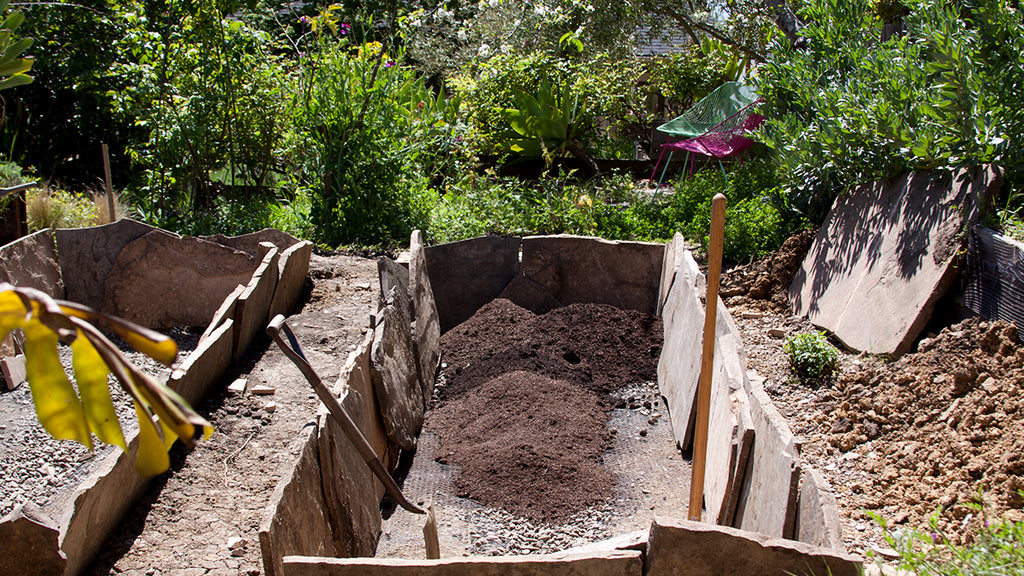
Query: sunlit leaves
x: 67, y: 413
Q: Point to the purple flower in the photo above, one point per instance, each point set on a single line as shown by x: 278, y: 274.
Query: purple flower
x: 389, y: 63
x: 306, y: 20
x: 344, y: 28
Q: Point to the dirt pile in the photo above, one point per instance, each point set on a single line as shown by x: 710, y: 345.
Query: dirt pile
x: 523, y: 408
x: 766, y: 281
x: 945, y: 422
x: 528, y: 444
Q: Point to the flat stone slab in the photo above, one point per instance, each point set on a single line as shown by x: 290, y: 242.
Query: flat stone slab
x: 13, y: 370
x: 31, y: 262
x: 292, y: 269
x: 672, y: 263
x: 394, y: 283
x: 768, y: 501
x: 250, y: 243
x: 253, y: 306
x: 30, y: 543
x: 817, y: 520
x: 467, y: 274
x: 678, y: 547
x: 730, y: 433
x: 296, y: 521
x: 88, y: 254
x: 528, y: 294
x: 395, y: 380
x: 601, y: 563
x: 353, y: 507
x: 886, y: 254
x: 579, y: 269
x: 426, y: 324
x: 162, y: 280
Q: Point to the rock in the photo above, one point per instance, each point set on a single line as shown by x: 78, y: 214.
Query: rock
x: 188, y: 277
x: 88, y: 254
x: 776, y: 333
x: 467, y: 274
x: 13, y: 370
x: 426, y: 323
x: 270, y: 407
x: 263, y: 390
x: 876, y: 290
x: 237, y: 387
x: 395, y: 380
x: 31, y: 262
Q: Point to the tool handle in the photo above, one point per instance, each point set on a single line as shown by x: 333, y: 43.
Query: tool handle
x: 707, y: 361
x: 294, y: 353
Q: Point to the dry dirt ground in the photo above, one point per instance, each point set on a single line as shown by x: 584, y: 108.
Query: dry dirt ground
x: 937, y: 430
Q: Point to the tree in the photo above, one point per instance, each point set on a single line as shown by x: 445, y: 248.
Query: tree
x: 70, y: 414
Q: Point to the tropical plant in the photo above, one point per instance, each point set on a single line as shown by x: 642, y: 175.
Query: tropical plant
x: 13, y: 66
x: 546, y: 126
x: 70, y: 414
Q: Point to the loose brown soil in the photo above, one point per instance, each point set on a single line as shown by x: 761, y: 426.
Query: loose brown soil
x: 937, y: 432
x: 524, y: 408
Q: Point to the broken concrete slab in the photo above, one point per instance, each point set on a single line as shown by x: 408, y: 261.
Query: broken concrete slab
x: 88, y: 254
x: 352, y: 503
x: 253, y: 307
x: 292, y: 269
x: 768, y: 500
x: 426, y: 325
x: 296, y: 521
x: 817, y: 518
x: 250, y: 243
x: 601, y: 563
x: 30, y: 540
x: 467, y: 274
x: 885, y: 255
x: 31, y: 262
x: 188, y: 278
x: 526, y: 293
x: 678, y: 547
x: 395, y: 379
x: 197, y: 375
x: 577, y: 269
x: 13, y: 370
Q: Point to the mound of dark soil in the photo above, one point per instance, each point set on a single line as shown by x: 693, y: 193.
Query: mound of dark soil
x: 528, y: 444
x: 594, y: 345
x: 523, y: 410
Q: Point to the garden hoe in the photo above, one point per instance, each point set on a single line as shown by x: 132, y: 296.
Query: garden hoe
x: 294, y: 353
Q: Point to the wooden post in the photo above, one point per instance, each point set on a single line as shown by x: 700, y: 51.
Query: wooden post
x: 707, y: 361
x: 110, y: 185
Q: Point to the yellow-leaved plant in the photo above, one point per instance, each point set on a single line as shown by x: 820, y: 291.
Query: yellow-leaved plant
x: 69, y: 415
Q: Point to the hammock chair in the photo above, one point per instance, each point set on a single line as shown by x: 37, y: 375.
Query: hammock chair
x: 715, y: 126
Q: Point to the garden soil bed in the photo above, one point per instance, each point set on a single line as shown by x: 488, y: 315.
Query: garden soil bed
x: 932, y: 431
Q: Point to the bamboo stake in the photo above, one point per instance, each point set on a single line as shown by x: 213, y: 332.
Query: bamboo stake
x: 109, y: 184
x: 707, y: 361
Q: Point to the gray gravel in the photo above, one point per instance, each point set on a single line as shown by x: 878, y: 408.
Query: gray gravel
x: 34, y: 467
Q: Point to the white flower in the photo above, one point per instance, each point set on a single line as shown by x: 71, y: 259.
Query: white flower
x: 494, y: 3
x: 540, y: 10
x: 461, y: 35
x: 506, y: 48
x: 484, y: 51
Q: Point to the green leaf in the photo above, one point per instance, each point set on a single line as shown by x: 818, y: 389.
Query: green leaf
x: 16, y: 80
x: 91, y: 375
x: 16, y: 66
x: 57, y: 406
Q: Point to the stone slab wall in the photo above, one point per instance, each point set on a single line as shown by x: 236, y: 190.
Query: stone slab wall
x: 606, y: 563
x: 31, y: 262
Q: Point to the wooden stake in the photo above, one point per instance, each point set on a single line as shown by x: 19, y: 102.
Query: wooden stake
x: 110, y: 185
x: 707, y: 361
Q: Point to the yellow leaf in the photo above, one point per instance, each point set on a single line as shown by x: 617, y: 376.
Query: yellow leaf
x: 57, y: 406
x: 91, y: 375
x: 12, y: 312
x: 151, y: 458
x: 150, y: 342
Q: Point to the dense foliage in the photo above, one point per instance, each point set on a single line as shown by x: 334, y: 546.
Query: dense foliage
x: 853, y: 106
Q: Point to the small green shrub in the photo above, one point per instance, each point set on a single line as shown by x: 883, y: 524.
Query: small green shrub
x: 811, y: 355
x: 56, y: 208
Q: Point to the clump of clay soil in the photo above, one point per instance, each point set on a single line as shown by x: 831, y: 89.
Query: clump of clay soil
x: 946, y: 422
x: 524, y: 406
x: 766, y: 281
x: 528, y: 444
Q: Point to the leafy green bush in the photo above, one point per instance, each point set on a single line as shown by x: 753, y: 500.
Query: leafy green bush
x: 811, y: 355
x: 851, y: 107
x: 56, y: 208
